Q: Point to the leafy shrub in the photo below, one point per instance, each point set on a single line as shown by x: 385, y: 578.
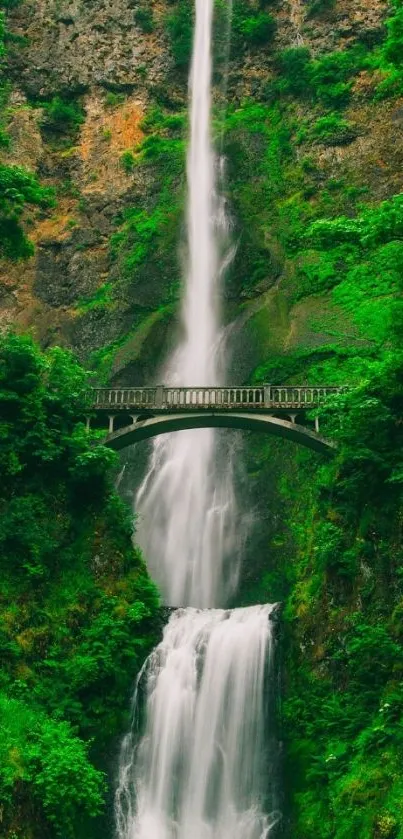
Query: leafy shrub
x: 112, y: 100
x: 326, y: 79
x: 18, y: 188
x: 393, y: 50
x: 145, y: 19
x: 294, y: 65
x: 259, y: 29
x: 127, y: 161
x: 62, y: 116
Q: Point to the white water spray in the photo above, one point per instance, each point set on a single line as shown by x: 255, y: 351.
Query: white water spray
x: 186, y: 504
x: 199, y: 770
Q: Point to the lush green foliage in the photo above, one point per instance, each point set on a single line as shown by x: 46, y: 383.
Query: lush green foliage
x: 128, y: 161
x: 77, y: 610
x: 252, y: 25
x: 258, y: 30
x: 145, y: 19
x: 44, y: 756
x: 18, y: 187
x: 331, y: 130
x: 345, y: 745
x: 62, y: 116
x: 327, y: 80
x: 319, y: 240
x: 179, y: 25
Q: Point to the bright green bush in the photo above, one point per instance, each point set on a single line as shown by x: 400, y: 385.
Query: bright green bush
x: 327, y: 79
x: 127, y: 161
x: 294, y: 65
x: 258, y: 30
x: 44, y: 754
x: 393, y: 49
x: 18, y: 189
x: 62, y: 116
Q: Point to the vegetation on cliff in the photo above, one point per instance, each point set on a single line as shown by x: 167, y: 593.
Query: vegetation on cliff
x: 18, y: 187
x: 332, y: 240
x: 77, y: 609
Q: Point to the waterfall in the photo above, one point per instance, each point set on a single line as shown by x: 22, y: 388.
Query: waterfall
x: 196, y: 763
x: 186, y: 505
x: 199, y: 769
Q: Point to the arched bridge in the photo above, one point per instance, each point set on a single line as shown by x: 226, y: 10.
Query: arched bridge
x: 133, y: 414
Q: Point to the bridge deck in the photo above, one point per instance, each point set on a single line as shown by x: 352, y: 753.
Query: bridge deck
x: 170, y: 399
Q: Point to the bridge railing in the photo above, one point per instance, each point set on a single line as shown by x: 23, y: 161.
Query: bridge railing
x: 190, y: 398
x: 120, y: 398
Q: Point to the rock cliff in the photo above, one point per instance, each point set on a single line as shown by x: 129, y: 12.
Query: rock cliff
x: 114, y: 61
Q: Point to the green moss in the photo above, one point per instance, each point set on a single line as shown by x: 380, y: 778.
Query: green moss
x: 331, y: 130
x: 102, y: 299
x: 127, y: 349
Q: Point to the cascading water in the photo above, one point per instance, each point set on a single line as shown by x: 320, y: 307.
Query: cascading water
x: 198, y: 771
x: 186, y: 504
x: 196, y: 767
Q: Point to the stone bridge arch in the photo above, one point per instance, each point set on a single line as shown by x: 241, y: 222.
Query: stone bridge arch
x: 144, y: 429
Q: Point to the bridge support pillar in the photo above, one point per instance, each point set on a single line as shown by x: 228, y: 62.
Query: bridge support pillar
x: 293, y: 418
x: 133, y: 418
x: 88, y: 424
x: 111, y: 423
x: 317, y: 425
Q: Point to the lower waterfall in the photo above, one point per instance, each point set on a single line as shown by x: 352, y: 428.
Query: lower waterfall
x: 199, y: 768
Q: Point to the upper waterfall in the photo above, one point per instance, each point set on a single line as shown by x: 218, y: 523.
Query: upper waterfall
x: 186, y: 504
